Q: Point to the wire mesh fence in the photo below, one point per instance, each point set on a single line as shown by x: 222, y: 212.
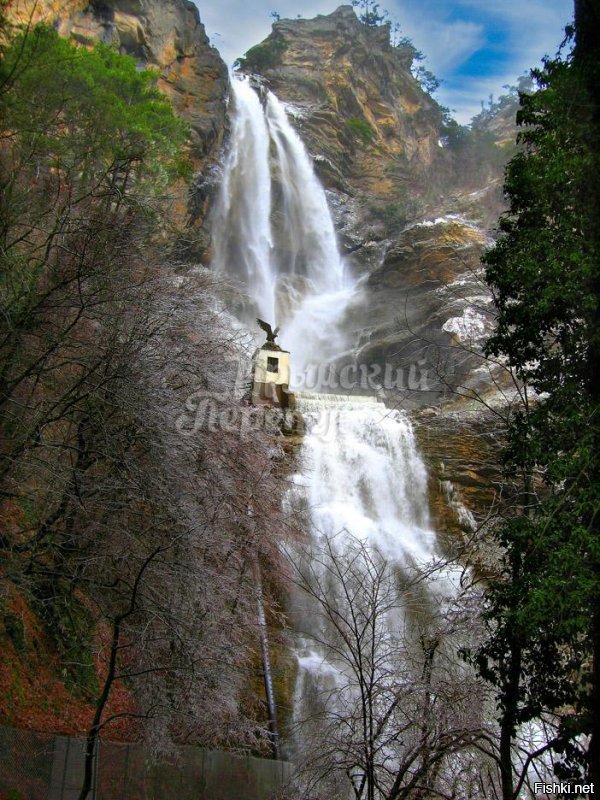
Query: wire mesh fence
x: 41, y: 766
x: 26, y: 760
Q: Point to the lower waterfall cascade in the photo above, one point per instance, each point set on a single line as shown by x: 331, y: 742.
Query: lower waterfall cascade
x: 362, y: 485
x: 367, y: 477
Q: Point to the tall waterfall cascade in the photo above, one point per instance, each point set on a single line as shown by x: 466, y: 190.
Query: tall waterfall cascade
x: 274, y: 234
x: 242, y: 239
x: 360, y: 479
x: 365, y: 475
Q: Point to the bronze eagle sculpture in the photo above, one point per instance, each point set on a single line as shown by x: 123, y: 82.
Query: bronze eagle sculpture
x: 271, y: 334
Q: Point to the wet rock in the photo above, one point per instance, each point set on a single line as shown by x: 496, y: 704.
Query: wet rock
x: 424, y: 310
x: 462, y: 451
x: 408, y: 228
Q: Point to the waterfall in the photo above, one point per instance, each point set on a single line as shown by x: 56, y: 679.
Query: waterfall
x: 242, y: 239
x: 360, y: 481
x: 273, y: 231
x: 361, y: 484
x: 306, y: 221
x: 363, y: 476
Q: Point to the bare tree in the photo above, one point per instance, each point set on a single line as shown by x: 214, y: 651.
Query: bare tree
x: 150, y: 528
x: 129, y: 531
x: 395, y: 714
x: 487, y: 389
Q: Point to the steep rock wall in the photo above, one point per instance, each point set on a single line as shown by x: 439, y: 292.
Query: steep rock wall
x: 411, y: 224
x: 364, y: 117
x: 168, y: 36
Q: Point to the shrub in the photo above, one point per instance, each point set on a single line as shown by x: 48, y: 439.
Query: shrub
x: 262, y: 56
x: 360, y: 129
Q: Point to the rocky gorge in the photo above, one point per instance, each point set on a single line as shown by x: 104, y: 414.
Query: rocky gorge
x: 412, y: 221
x: 413, y: 214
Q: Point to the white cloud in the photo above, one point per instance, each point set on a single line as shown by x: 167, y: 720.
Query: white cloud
x: 454, y: 43
x: 445, y: 43
x: 465, y: 102
x: 513, y: 38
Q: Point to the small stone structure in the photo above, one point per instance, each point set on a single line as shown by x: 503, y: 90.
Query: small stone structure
x: 271, y: 381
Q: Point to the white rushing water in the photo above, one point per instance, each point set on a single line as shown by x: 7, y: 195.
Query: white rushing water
x: 362, y: 480
x: 363, y: 476
x: 242, y: 231
x: 274, y: 233
x: 306, y: 223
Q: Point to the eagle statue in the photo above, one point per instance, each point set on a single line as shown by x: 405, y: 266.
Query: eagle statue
x: 271, y: 334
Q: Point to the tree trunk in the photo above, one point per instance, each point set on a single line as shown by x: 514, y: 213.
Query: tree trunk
x: 266, y: 659
x: 94, y: 731
x: 594, y: 748
x: 508, y: 720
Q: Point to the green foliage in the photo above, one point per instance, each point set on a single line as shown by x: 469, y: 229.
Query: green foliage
x: 89, y: 146
x: 99, y: 348
x: 83, y: 129
x: 360, y: 129
x: 397, y: 214
x: 370, y: 12
x: 427, y: 80
x: 401, y: 42
x: 542, y: 252
x: 263, y: 56
x: 543, y: 614
x: 79, y: 115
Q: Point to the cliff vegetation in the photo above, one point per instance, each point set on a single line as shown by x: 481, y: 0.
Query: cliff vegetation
x: 128, y: 550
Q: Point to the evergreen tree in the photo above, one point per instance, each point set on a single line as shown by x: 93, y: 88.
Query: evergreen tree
x: 543, y: 613
x: 427, y: 80
x: 370, y: 12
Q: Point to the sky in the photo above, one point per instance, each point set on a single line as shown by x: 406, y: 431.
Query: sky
x: 475, y: 47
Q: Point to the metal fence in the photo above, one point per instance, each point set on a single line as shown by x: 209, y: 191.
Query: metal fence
x: 38, y: 766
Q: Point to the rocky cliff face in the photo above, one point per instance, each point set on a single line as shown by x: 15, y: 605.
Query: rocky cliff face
x: 411, y: 221
x: 423, y: 310
x: 364, y: 118
x: 414, y: 211
x: 465, y: 478
x: 411, y: 225
x: 168, y: 36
